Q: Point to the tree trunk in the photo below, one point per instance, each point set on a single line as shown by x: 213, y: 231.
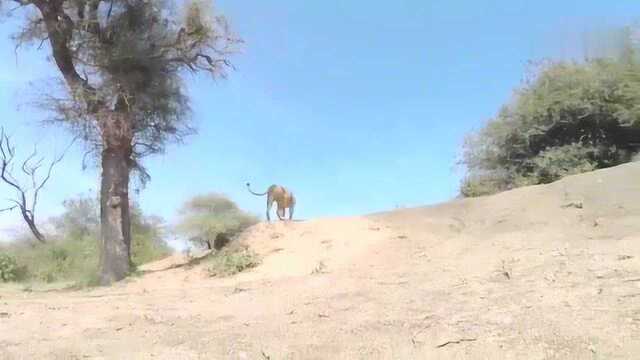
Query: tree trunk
x: 32, y: 226
x: 115, y: 226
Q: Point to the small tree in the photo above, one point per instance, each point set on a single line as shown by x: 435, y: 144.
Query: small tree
x: 81, y: 217
x: 80, y: 221
x: 147, y: 237
x: 207, y: 220
x: 27, y: 194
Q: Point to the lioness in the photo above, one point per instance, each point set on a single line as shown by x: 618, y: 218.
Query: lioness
x: 283, y: 197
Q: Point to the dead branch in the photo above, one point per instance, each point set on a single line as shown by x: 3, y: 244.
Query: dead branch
x: 456, y: 342
x: 26, y: 195
x: 10, y: 208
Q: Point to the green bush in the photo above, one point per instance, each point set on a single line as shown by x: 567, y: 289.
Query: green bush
x: 485, y: 184
x: 73, y: 253
x: 231, y: 261
x: 569, y: 118
x: 207, y: 218
x: 147, y: 243
x: 9, y: 270
x: 557, y: 162
x: 80, y: 217
x: 58, y: 260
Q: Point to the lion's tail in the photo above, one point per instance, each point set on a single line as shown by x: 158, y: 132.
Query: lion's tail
x: 254, y: 193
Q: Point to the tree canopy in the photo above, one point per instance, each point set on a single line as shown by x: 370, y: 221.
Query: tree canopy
x: 131, y: 56
x: 570, y: 117
x: 206, y: 217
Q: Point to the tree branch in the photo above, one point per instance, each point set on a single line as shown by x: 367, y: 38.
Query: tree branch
x: 10, y: 208
x: 60, y: 30
x: 27, y: 208
x: 46, y: 179
x: 7, y: 155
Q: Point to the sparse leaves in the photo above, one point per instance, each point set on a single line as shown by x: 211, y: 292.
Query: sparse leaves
x: 205, y: 217
x: 128, y: 56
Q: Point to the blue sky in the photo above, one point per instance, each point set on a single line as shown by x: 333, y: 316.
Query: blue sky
x: 357, y: 106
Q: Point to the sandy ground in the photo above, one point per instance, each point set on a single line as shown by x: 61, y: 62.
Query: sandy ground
x: 545, y: 272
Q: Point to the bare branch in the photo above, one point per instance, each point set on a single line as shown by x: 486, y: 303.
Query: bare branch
x: 51, y: 166
x: 147, y: 149
x: 26, y: 204
x: 42, y: 42
x: 7, y: 154
x: 110, y: 9
x: 25, y: 164
x: 10, y: 208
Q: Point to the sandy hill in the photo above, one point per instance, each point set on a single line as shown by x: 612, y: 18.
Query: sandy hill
x: 544, y: 272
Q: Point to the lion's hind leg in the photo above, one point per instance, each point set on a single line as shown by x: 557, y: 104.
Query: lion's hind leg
x: 269, y: 205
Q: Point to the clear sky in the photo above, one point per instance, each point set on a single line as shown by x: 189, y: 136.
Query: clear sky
x: 357, y: 106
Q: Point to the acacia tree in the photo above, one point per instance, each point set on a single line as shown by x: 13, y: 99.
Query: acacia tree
x: 121, y: 63
x: 210, y: 220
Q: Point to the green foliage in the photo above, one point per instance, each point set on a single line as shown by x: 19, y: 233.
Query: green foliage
x: 73, y: 254
x: 232, y: 260
x: 558, y: 162
x: 80, y: 218
x: 569, y: 118
x: 9, y: 270
x: 134, y: 58
x: 487, y: 183
x: 147, y: 242
x: 205, y: 217
x: 197, y: 19
x: 58, y: 260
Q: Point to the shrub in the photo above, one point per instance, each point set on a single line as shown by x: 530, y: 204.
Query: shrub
x: 485, y: 184
x: 560, y: 161
x: 207, y: 219
x: 9, y: 270
x: 73, y: 254
x: 58, y: 260
x: 230, y: 261
x: 147, y: 240
x: 569, y: 118
x: 80, y: 217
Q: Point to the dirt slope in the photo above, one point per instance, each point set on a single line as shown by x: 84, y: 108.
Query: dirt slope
x: 545, y: 272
